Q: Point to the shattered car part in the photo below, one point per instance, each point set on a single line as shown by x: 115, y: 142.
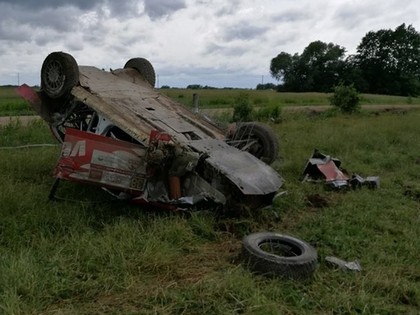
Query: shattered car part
x: 321, y: 167
x: 369, y: 181
x: 119, y: 133
x: 324, y: 168
x: 346, y: 265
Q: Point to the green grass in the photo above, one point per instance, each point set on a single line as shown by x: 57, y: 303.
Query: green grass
x: 225, y: 98
x: 11, y: 104
x: 88, y: 256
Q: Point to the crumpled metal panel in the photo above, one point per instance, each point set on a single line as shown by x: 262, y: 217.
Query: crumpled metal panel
x: 90, y: 158
x: 260, y: 179
x: 35, y: 99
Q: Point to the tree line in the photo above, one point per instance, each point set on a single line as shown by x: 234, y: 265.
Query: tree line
x: 386, y: 62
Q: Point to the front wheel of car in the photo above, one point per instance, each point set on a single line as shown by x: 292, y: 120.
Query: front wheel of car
x: 59, y: 74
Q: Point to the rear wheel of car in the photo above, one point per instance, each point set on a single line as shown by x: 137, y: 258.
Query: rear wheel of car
x: 59, y: 74
x: 279, y: 255
x: 257, y: 139
x: 144, y: 67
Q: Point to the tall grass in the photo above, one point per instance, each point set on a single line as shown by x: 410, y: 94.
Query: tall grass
x: 225, y: 98
x: 92, y: 256
x: 11, y: 104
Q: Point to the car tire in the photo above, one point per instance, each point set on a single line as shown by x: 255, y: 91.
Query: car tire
x: 279, y: 255
x: 59, y: 74
x: 257, y: 139
x: 144, y: 67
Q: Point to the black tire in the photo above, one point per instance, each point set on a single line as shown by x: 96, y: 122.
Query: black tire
x: 279, y: 255
x: 257, y: 139
x: 144, y: 67
x: 59, y: 74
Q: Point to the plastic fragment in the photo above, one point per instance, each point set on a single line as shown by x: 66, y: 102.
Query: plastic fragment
x: 346, y: 265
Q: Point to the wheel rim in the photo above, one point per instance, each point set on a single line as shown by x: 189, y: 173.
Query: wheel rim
x: 249, y: 144
x: 254, y: 147
x: 55, y: 76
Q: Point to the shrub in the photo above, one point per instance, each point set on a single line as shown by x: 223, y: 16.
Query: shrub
x: 242, y: 108
x: 266, y: 113
x: 346, y: 98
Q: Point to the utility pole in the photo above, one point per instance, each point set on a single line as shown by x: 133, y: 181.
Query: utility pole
x: 18, y: 79
x: 262, y: 80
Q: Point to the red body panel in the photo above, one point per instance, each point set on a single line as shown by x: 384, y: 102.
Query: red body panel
x: 91, y: 158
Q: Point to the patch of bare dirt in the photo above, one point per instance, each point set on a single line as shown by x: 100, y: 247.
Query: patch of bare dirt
x: 317, y: 201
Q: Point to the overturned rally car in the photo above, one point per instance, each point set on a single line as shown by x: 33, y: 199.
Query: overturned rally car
x: 120, y: 133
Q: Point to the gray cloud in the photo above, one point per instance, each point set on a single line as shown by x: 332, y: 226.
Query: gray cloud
x: 230, y: 51
x: 117, y: 8
x: 11, y: 32
x: 159, y: 8
x: 353, y: 16
x: 42, y: 4
x: 23, y: 25
x: 243, y: 31
x: 19, y: 23
x: 212, y: 42
x: 290, y: 16
x: 74, y: 46
x: 126, y: 8
x: 228, y: 8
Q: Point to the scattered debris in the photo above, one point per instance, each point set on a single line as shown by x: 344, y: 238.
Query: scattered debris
x: 370, y: 181
x: 346, y: 265
x: 324, y: 168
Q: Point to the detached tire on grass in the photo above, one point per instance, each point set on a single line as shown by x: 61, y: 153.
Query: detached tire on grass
x: 279, y: 255
x: 144, y: 67
x: 59, y: 74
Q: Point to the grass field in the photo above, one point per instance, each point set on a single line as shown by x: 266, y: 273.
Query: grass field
x: 88, y: 256
x: 12, y: 105
x: 226, y: 98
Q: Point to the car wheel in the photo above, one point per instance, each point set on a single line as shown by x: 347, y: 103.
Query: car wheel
x: 144, y: 67
x: 279, y: 255
x: 257, y: 139
x: 59, y: 74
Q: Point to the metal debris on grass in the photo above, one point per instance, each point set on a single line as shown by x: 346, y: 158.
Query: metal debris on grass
x: 345, y: 265
x: 324, y: 168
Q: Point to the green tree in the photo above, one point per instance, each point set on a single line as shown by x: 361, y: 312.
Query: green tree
x: 389, y: 61
x: 318, y: 68
x: 281, y: 66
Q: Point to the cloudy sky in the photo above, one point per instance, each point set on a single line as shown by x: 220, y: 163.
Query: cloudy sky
x: 209, y: 42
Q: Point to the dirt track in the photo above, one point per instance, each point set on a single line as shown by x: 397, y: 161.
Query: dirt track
x: 24, y: 120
